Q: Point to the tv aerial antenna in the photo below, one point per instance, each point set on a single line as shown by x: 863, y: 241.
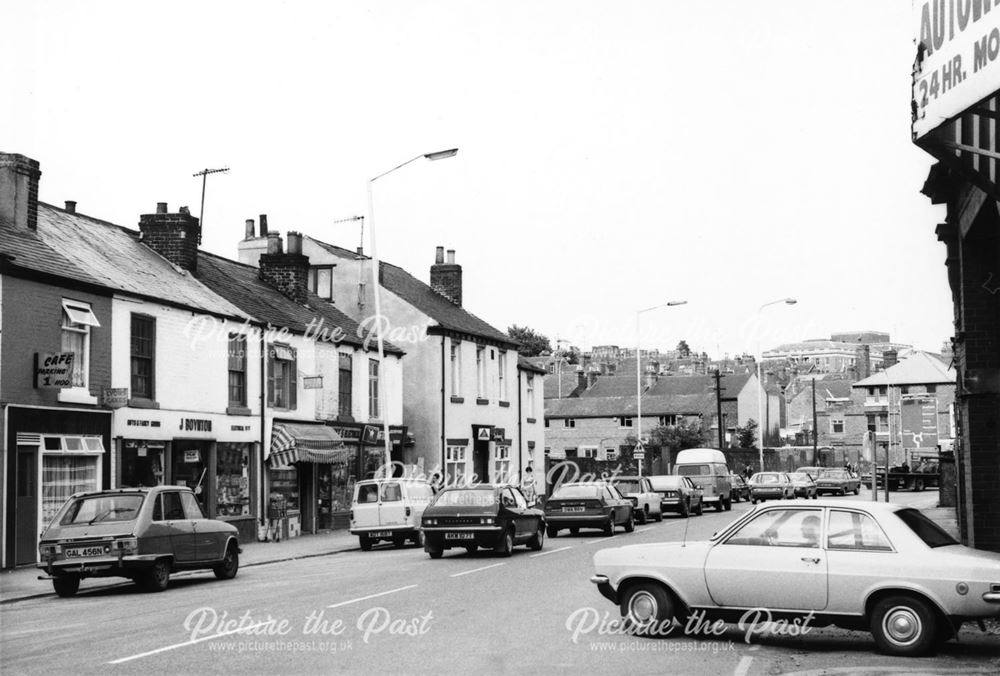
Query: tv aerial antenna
x: 204, y: 179
x: 350, y: 219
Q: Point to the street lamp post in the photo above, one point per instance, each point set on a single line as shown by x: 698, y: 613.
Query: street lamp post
x: 440, y: 155
x: 761, y: 426
x: 638, y: 372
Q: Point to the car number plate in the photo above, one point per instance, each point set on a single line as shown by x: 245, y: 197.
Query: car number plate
x: 572, y: 509
x: 380, y: 534
x: 84, y: 552
x: 459, y: 536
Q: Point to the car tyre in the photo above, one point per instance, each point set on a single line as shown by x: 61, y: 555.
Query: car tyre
x: 609, y: 527
x: 701, y: 508
x: 904, y: 626
x: 537, y: 540
x: 506, y: 545
x: 643, y: 516
x: 727, y: 504
x: 659, y: 515
x: 685, y: 509
x: 918, y: 485
x: 365, y: 542
x: 66, y: 585
x: 649, y: 608
x: 471, y: 549
x: 157, y: 578
x: 630, y: 524
x: 574, y: 530
x: 552, y: 531
x: 433, y: 552
x: 230, y: 563
x: 815, y: 495
x: 398, y: 541
x: 843, y: 491
x: 753, y: 501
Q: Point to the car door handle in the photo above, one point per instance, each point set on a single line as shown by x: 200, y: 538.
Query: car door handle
x: 811, y: 559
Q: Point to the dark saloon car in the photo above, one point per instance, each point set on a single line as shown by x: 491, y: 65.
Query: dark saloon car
x: 678, y: 494
x: 740, y: 490
x: 804, y: 485
x: 594, y: 504
x: 838, y: 482
x: 489, y: 516
x: 140, y: 533
x: 770, y: 486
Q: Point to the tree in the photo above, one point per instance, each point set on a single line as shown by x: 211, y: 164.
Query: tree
x: 683, y: 349
x: 685, y: 434
x: 746, y: 436
x: 532, y: 343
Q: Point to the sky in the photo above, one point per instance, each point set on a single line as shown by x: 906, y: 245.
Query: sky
x: 613, y: 156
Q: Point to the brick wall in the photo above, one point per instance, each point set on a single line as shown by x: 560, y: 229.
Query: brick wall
x: 288, y: 273
x: 173, y: 236
x: 446, y: 279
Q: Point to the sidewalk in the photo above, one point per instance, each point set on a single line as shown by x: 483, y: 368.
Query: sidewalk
x: 23, y: 583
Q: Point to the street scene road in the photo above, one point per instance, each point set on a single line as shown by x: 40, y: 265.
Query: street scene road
x: 396, y: 610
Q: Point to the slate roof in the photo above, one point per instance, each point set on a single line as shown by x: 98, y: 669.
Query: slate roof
x: 79, y: 247
x: 242, y: 286
x: 551, y: 384
x: 612, y: 386
x: 919, y: 368
x: 525, y: 364
x: 731, y: 385
x: 609, y: 407
x: 448, y: 315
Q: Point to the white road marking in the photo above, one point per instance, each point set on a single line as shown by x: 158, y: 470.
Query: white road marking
x: 551, y: 551
x: 372, y: 596
x: 743, y: 667
x: 476, y: 570
x: 639, y: 530
x: 604, y: 539
x: 191, y: 642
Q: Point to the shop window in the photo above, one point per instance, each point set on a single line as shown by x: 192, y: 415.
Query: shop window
x: 455, y: 465
x: 345, y: 385
x: 282, y: 382
x: 232, y: 479
x: 78, y: 318
x: 285, y: 487
x: 501, y: 464
x: 143, y: 350
x: 63, y: 475
x: 237, y: 370
x: 373, y: 402
x: 141, y: 463
x: 190, y: 466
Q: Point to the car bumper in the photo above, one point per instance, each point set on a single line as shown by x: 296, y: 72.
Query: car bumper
x: 831, y: 489
x: 444, y: 537
x: 764, y: 495
x: 391, y: 530
x: 577, y: 520
x: 106, y: 566
x: 672, y: 505
x: 604, y: 586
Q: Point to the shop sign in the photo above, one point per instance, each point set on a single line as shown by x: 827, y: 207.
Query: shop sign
x: 195, y: 425
x: 370, y: 434
x: 239, y: 428
x: 54, y: 369
x: 142, y: 423
x: 312, y: 382
x: 499, y: 434
x: 958, y: 45
x: 398, y: 435
x: 348, y: 433
x: 483, y: 434
x: 193, y: 455
x: 115, y: 397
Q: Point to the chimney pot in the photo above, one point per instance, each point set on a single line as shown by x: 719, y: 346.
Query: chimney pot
x: 71, y: 206
x: 185, y: 211
x: 263, y: 225
x: 249, y: 231
x: 439, y: 256
x: 361, y: 251
x: 294, y: 242
x: 273, y: 243
x: 451, y: 256
x: 161, y: 207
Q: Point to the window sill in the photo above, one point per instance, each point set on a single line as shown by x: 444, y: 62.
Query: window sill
x: 458, y: 400
x: 530, y: 420
x: 482, y: 402
x: 238, y: 410
x: 77, y: 395
x: 504, y: 404
x: 140, y: 402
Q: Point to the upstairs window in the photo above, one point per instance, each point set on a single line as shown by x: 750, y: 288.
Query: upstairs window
x: 237, y: 369
x: 78, y: 318
x: 481, y: 372
x: 456, y: 368
x: 143, y: 351
x: 321, y: 281
x: 373, y: 403
x: 345, y: 385
x: 282, y: 382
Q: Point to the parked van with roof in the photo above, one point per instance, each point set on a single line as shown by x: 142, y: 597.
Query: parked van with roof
x: 707, y: 468
x: 389, y: 509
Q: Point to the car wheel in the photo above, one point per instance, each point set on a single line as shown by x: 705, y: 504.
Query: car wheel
x: 649, y: 608
x: 643, y: 517
x: 398, y: 541
x: 843, y: 491
x: 433, y: 552
x: 609, y: 527
x: 365, y: 542
x: 230, y: 564
x: 157, y: 578
x: 552, y: 531
x: 506, y: 545
x: 66, y: 585
x: 659, y: 515
x: 815, y: 495
x: 918, y: 485
x: 753, y: 501
x: 727, y: 504
x: 537, y: 540
x: 903, y: 626
x: 701, y: 508
x: 574, y: 530
x: 685, y: 509
x: 630, y: 524
x: 471, y: 549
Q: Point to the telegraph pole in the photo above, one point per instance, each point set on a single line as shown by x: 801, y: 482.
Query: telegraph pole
x: 204, y: 179
x: 815, y: 429
x: 718, y: 407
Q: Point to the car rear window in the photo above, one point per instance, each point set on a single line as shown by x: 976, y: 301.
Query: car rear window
x: 694, y: 470
x: 103, y: 508
x: 576, y: 492
x: 928, y: 531
x: 665, y: 483
x: 764, y: 478
x: 466, y: 498
x: 628, y: 486
x: 833, y: 474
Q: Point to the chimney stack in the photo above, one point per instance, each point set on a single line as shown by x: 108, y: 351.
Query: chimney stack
x: 249, y: 233
x: 286, y: 272
x: 889, y: 358
x: 581, y: 378
x: 263, y: 225
x: 446, y: 278
x: 592, y: 376
x: 173, y: 236
x: 19, y: 177
x: 649, y: 378
x: 70, y: 207
x: 862, y: 362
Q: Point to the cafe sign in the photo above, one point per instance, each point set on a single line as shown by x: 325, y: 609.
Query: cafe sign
x: 54, y: 370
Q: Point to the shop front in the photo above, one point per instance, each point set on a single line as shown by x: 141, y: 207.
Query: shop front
x: 213, y: 454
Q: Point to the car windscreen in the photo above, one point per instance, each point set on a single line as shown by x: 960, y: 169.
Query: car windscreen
x: 928, y: 531
x: 575, y: 492
x: 694, y: 470
x: 628, y: 486
x: 665, y: 483
x: 466, y: 498
x: 102, y: 508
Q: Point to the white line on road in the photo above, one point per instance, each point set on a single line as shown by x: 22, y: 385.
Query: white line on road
x: 743, y: 667
x: 192, y: 642
x: 551, y: 551
x: 372, y: 596
x: 476, y: 570
x: 639, y: 530
x: 603, y: 539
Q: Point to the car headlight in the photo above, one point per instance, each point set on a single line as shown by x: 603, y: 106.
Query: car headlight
x: 430, y: 522
x: 487, y: 520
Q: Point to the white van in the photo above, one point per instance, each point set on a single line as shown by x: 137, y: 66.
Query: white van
x: 389, y: 509
x: 707, y: 468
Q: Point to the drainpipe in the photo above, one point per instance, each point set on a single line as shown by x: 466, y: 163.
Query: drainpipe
x: 443, y: 409
x: 263, y: 426
x: 520, y: 434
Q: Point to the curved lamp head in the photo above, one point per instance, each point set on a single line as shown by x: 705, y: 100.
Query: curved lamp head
x: 441, y: 154
x: 790, y: 301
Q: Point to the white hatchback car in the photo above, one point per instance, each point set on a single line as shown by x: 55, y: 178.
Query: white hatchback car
x: 882, y: 567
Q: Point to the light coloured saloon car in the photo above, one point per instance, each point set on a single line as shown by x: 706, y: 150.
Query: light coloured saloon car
x: 882, y: 567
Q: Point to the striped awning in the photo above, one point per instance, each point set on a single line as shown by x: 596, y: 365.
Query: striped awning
x: 300, y: 442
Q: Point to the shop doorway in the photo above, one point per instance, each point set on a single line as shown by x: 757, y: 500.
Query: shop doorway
x: 26, y: 539
x: 190, y: 468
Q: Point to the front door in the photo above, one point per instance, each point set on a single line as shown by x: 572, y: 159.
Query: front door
x: 26, y: 538
x: 179, y: 528
x: 481, y: 460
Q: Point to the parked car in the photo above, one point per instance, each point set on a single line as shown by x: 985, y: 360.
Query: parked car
x: 707, y: 468
x: 645, y: 500
x: 740, y: 490
x: 594, y: 504
x: 881, y: 566
x: 143, y: 534
x: 678, y: 494
x: 388, y: 509
x: 812, y: 471
x: 770, y: 486
x: 489, y: 516
x: 803, y: 485
x: 838, y: 481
